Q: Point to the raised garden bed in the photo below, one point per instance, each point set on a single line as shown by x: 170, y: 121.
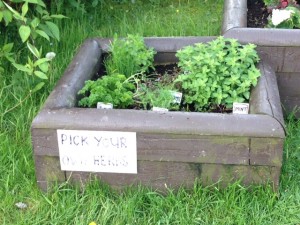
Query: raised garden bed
x: 173, y: 148
x: 279, y: 47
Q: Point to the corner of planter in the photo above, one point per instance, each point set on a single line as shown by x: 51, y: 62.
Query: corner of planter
x: 83, y: 66
x: 265, y: 99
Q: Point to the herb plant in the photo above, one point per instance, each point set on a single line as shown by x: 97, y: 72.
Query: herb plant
x: 128, y: 60
x: 129, y: 56
x: 157, y: 96
x: 217, y: 73
x: 113, y: 88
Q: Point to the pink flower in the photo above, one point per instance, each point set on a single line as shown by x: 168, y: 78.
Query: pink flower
x: 283, y: 4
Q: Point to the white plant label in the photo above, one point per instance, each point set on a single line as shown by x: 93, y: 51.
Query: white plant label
x: 97, y: 151
x: 158, y: 109
x: 177, y: 97
x: 240, y: 108
x: 101, y: 105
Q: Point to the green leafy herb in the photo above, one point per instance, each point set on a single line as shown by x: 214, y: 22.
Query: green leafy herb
x: 129, y: 56
x: 157, y: 96
x: 113, y: 89
x: 217, y: 73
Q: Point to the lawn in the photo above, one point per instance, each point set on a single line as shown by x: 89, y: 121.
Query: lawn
x: 66, y: 204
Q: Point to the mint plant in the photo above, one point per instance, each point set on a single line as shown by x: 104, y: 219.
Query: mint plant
x: 217, y: 73
x: 129, y: 56
x: 113, y: 88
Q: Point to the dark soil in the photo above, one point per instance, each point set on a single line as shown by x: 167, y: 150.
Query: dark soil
x: 257, y: 15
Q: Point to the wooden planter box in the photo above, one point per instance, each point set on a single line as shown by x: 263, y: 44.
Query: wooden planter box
x: 279, y: 47
x: 173, y: 148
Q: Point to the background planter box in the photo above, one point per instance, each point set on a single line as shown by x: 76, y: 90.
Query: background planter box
x: 173, y: 148
x: 279, y: 47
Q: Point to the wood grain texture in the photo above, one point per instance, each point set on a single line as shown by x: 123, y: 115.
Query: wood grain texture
x: 47, y: 169
x: 163, y: 175
x: 266, y: 151
x: 199, y: 149
x: 248, y: 175
x: 288, y: 84
x: 164, y: 147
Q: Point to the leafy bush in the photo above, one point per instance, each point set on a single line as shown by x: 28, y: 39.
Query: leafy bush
x: 113, y: 89
x: 217, y: 73
x: 129, y: 56
x: 33, y: 22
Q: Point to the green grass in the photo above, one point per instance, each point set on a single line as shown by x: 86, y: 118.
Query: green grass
x: 71, y: 205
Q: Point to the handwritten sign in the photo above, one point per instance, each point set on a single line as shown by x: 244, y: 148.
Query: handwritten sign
x: 240, y: 108
x: 97, y: 151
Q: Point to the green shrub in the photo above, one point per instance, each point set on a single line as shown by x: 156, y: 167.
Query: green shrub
x: 217, y: 73
x: 33, y: 22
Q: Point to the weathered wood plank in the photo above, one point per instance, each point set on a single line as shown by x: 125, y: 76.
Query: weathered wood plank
x: 290, y: 58
x: 288, y: 84
x: 141, y: 121
x: 157, y: 175
x: 272, y: 55
x: 164, y: 147
x: 201, y: 149
x: 282, y: 59
x: 266, y: 151
x: 248, y: 175
x: 291, y: 105
x: 44, y: 142
x: 48, y: 171
x: 162, y: 175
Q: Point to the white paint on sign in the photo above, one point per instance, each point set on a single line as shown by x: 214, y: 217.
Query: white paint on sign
x: 240, y: 108
x: 97, y: 151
